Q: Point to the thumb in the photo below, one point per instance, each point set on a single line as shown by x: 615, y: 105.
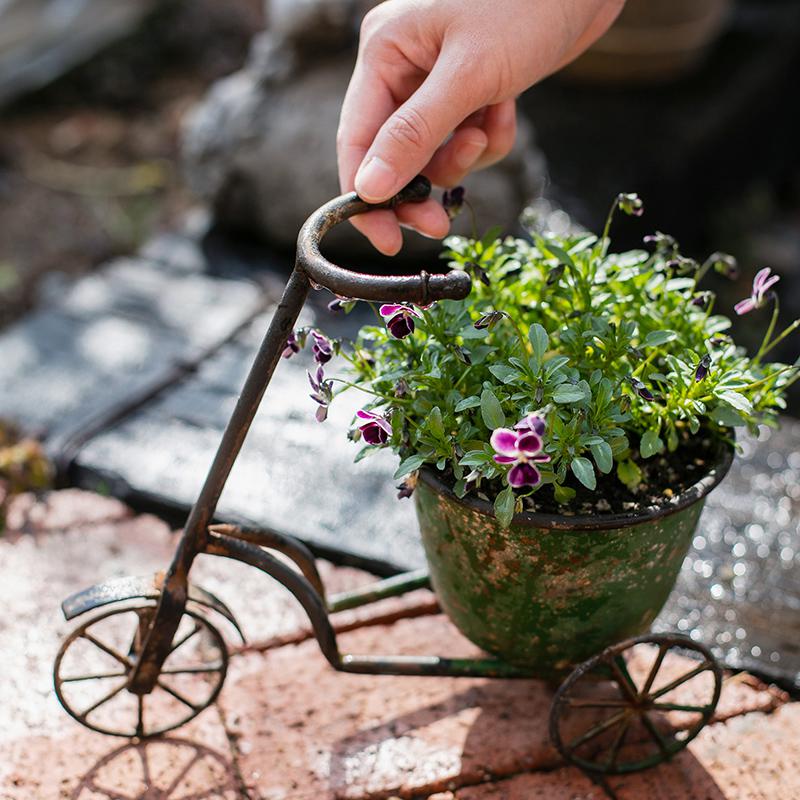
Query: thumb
x: 407, y: 140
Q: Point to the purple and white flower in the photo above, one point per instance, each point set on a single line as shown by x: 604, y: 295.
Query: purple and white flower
x: 376, y: 429
x: 521, y: 447
x: 758, y: 297
x: 399, y: 319
x: 292, y: 346
x: 322, y: 393
x: 321, y: 348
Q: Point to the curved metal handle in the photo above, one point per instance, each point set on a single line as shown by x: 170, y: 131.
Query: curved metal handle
x: 421, y: 289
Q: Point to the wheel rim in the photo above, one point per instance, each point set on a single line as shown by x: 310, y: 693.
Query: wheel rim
x: 635, y: 705
x: 94, y: 663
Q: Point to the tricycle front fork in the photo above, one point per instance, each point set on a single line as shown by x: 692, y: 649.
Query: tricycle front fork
x: 310, y: 268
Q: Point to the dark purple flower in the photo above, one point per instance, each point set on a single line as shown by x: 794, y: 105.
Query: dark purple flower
x: 531, y: 422
x: 341, y: 305
x: 702, y: 368
x: 399, y: 319
x: 292, y: 346
x: 477, y: 271
x: 405, y: 489
x: 631, y: 204
x: 641, y: 389
x: 758, y: 297
x: 322, y: 348
x: 703, y: 299
x: 376, y: 429
x: 322, y: 393
x: 521, y: 447
x: 720, y: 340
x: 453, y: 201
x: 489, y: 320
x: 400, y: 388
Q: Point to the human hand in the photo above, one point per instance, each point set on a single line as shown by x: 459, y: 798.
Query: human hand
x: 432, y: 69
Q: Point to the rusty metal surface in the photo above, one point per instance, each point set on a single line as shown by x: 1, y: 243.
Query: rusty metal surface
x: 139, y: 587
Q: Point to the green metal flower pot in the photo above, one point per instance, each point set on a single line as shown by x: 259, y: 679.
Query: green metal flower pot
x: 550, y: 591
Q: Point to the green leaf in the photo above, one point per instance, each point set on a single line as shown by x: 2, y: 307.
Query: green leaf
x: 603, y: 456
x: 738, y: 401
x: 504, y: 373
x: 584, y: 472
x: 549, y: 246
x: 725, y: 415
x: 468, y: 402
x: 504, y: 506
x: 435, y: 423
x: 655, y: 338
x: 491, y: 411
x: 651, y: 444
x: 630, y: 474
x: 409, y: 465
x: 568, y: 393
x: 563, y: 494
x: 539, y: 340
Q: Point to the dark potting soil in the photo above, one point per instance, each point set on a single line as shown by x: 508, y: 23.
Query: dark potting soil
x: 664, y: 477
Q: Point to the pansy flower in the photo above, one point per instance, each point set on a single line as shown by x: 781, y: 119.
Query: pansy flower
x: 758, y: 297
x: 521, y: 447
x: 453, y: 201
x: 291, y: 347
x: 399, y: 319
x: 322, y: 393
x: 321, y: 348
x: 375, y: 429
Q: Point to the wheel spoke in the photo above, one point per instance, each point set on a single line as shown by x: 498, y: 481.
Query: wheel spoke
x: 215, y: 667
x: 176, y: 782
x: 96, y: 677
x: 655, y: 733
x: 617, y: 744
x: 597, y: 730
x: 588, y: 702
x: 662, y: 651
x: 185, y: 639
x: 624, y: 680
x: 178, y: 696
x: 146, y: 777
x: 104, y: 699
x: 679, y: 707
x: 106, y: 649
x: 678, y: 681
x: 140, y: 715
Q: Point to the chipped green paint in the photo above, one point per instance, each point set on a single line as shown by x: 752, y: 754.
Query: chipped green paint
x: 549, y: 592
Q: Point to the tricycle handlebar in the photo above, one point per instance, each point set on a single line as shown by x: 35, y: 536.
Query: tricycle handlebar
x: 422, y: 289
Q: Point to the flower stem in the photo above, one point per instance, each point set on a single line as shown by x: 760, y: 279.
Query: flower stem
x: 780, y: 338
x: 770, y: 330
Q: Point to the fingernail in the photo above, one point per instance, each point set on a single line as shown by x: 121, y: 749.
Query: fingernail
x: 375, y: 180
x: 468, y: 154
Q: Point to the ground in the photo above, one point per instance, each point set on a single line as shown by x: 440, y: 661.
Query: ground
x: 287, y: 726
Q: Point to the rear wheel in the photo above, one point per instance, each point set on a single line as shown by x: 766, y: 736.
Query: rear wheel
x: 94, y: 664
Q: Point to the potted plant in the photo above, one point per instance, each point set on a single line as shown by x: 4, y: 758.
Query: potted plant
x: 559, y: 428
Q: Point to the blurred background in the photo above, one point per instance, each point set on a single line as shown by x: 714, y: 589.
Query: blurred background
x: 117, y: 117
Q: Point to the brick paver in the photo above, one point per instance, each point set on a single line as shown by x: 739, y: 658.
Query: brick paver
x: 288, y: 727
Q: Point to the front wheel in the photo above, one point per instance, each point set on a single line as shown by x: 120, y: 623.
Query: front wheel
x: 636, y: 704
x: 94, y: 664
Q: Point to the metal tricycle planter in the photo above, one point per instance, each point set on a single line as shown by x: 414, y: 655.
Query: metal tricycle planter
x: 541, y: 598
